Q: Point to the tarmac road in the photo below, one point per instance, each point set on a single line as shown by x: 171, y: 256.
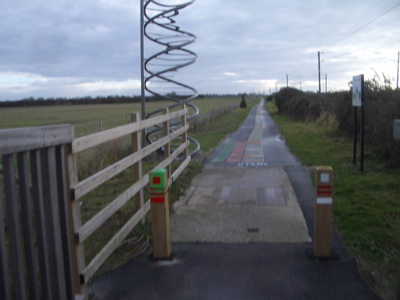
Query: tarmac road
x: 244, y: 230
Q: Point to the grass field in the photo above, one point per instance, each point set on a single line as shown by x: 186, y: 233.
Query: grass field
x: 366, y: 204
x: 86, y: 118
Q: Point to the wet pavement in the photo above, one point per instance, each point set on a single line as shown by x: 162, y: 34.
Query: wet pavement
x: 243, y: 230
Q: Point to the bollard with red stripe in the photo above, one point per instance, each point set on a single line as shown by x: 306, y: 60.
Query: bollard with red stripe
x: 323, y: 212
x: 160, y: 222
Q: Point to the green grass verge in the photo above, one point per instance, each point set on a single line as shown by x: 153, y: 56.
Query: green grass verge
x: 366, y: 204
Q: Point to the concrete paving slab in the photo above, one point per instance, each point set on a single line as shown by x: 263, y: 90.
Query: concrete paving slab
x: 239, y: 205
x: 234, y: 224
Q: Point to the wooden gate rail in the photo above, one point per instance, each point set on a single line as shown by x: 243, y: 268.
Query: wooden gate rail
x: 35, y: 233
x: 80, y: 188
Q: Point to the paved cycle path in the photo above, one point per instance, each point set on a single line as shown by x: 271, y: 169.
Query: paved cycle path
x: 243, y: 231
x: 239, y: 197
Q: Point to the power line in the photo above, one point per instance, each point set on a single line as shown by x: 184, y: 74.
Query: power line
x: 334, y: 57
x: 362, y: 27
x: 305, y: 62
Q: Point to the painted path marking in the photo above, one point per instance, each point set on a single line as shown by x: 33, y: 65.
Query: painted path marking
x: 237, y: 152
x: 248, y: 153
x: 224, y: 153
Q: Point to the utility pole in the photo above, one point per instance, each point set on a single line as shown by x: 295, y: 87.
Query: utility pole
x: 287, y: 80
x: 398, y: 58
x: 326, y: 83
x: 319, y: 73
x: 276, y: 87
x: 300, y: 86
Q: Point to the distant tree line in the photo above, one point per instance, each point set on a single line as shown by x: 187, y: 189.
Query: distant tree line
x: 93, y: 100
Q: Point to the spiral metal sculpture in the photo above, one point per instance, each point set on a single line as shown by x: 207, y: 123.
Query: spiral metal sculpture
x: 160, y: 27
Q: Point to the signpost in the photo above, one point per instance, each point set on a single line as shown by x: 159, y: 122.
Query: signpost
x: 358, y: 101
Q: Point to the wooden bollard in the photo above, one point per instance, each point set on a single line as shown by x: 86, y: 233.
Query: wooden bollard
x: 160, y: 223
x: 323, y: 212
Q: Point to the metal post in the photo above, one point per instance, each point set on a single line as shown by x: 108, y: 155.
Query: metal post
x: 398, y: 58
x: 355, y: 136
x: 142, y: 82
x: 319, y: 73
x: 362, y: 129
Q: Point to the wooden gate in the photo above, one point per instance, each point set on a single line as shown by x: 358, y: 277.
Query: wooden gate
x: 35, y: 232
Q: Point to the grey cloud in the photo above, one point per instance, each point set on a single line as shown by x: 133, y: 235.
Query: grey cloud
x: 260, y: 41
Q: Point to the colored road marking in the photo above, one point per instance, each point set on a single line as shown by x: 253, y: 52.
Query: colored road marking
x: 224, y: 152
x: 248, y: 153
x: 254, y: 153
x: 237, y: 152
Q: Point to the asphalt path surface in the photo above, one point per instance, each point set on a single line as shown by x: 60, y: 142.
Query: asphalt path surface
x: 244, y: 194
x: 256, y: 143
x: 246, y: 267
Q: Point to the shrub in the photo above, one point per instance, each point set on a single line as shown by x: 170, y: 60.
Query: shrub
x: 270, y: 98
x: 243, y: 104
x: 382, y: 106
x: 305, y: 107
x: 284, y: 96
x: 343, y: 112
x: 328, y: 120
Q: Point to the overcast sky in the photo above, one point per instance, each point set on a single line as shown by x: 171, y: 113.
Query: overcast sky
x: 67, y: 48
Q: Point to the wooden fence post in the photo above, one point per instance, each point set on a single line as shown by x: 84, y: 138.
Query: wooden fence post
x: 137, y: 167
x: 323, y: 212
x: 74, y: 212
x: 160, y: 222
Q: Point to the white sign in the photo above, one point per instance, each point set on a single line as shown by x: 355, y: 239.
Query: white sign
x: 325, y: 178
x: 357, y: 88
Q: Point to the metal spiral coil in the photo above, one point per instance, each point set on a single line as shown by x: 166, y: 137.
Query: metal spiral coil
x: 161, y: 28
